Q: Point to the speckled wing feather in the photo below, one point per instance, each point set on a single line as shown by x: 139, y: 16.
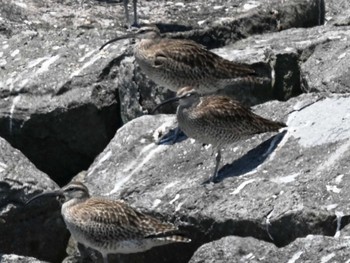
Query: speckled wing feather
x: 227, y: 114
x: 120, y: 220
x: 184, y: 56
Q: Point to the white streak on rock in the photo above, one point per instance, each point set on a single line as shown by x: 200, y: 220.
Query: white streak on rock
x: 15, y: 53
x: 156, y: 203
x: 86, y: 65
x: 12, y: 110
x: 339, y: 215
x: 268, y: 223
x: 87, y: 55
x: 250, y: 5
x: 100, y: 161
x: 150, y: 153
x: 249, y: 256
x: 37, y: 61
x: 178, y: 207
x: 339, y: 178
x: 241, y: 186
x: 333, y: 188
x: 285, y: 179
x: 272, y: 146
x: 327, y: 258
x: 331, y: 207
x: 23, y: 5
x: 335, y: 156
x: 170, y: 185
x: 177, y: 196
x: 45, y: 66
x: 2, y: 167
x: 295, y: 257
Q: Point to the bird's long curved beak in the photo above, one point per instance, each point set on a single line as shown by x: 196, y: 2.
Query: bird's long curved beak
x: 131, y: 35
x: 165, y: 102
x: 50, y: 193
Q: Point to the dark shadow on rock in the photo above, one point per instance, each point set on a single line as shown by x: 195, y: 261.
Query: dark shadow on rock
x: 173, y: 136
x: 251, y: 159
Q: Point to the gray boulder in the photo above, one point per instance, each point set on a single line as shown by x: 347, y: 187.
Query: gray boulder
x: 35, y: 230
x: 275, y: 188
x: 54, y: 97
x: 15, y: 258
x: 312, y: 248
x: 58, y: 91
x: 62, y: 100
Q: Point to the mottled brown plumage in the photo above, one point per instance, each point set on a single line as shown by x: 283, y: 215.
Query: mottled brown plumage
x: 219, y: 120
x: 111, y: 226
x: 174, y: 63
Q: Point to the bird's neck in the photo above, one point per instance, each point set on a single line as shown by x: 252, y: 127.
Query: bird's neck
x: 146, y: 43
x: 73, y: 202
x: 189, y: 103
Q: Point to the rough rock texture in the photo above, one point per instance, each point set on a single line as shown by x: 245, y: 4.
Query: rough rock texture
x: 309, y: 249
x: 34, y: 230
x: 62, y: 100
x: 52, y: 98
x: 274, y: 188
x: 15, y: 258
x: 309, y: 60
x: 57, y: 90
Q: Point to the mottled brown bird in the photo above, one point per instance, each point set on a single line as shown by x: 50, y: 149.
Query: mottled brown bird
x: 175, y: 63
x: 110, y: 226
x: 218, y: 120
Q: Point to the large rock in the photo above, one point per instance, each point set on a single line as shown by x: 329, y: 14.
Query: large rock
x: 15, y: 259
x: 61, y: 101
x: 58, y: 91
x: 338, y: 12
x: 54, y: 97
x: 35, y: 230
x: 272, y: 187
x: 308, y: 60
x: 237, y: 249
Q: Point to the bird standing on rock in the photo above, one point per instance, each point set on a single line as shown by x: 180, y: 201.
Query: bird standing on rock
x: 175, y: 63
x: 217, y: 120
x: 110, y: 226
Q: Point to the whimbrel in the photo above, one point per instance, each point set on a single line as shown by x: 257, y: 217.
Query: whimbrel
x: 218, y: 120
x: 175, y: 63
x: 126, y: 2
x: 110, y: 226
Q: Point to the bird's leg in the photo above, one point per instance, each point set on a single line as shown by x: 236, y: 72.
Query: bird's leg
x: 105, y: 258
x: 82, y: 252
x: 135, y: 13
x: 126, y: 11
x: 176, y: 134
x: 217, y: 163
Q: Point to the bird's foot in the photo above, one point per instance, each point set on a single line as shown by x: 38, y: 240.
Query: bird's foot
x: 172, y: 137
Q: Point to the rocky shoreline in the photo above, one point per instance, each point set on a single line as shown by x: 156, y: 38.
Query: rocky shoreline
x: 66, y: 107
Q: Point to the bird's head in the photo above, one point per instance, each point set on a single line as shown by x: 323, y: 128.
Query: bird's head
x: 145, y: 32
x: 186, y: 97
x: 74, y: 190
